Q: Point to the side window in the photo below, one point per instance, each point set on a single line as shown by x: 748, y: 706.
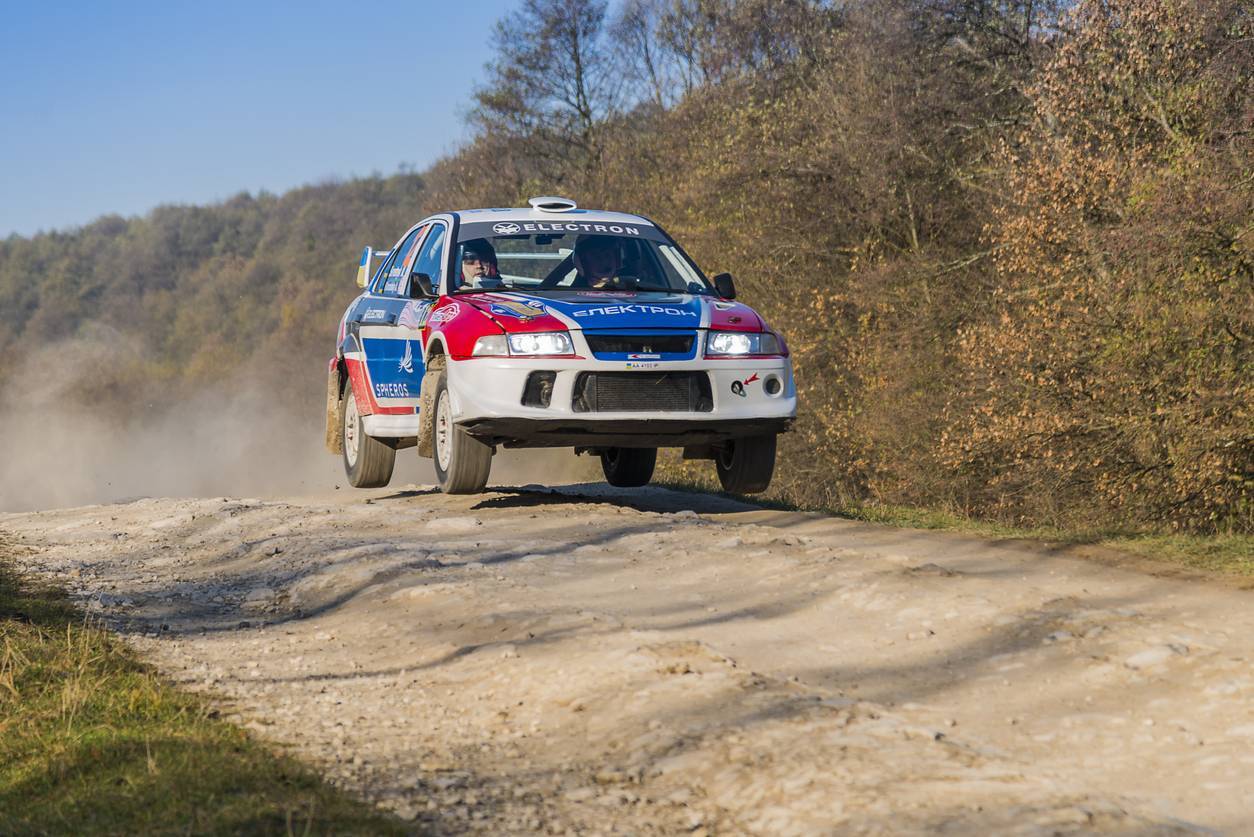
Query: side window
x: 431, y: 257
x: 394, y: 271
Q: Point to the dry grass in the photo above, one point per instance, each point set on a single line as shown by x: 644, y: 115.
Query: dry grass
x: 93, y: 742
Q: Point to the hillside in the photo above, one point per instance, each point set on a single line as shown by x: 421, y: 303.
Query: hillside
x: 1009, y: 247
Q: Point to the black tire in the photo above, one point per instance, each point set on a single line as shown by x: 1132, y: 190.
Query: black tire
x: 745, y: 466
x: 628, y: 467
x: 367, y: 460
x: 462, y: 462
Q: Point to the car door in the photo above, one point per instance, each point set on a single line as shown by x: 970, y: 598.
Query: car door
x: 391, y: 346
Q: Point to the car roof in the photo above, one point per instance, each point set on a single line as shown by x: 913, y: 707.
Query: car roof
x: 470, y: 216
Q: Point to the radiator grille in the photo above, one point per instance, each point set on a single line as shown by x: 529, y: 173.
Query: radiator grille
x: 640, y: 343
x: 632, y: 392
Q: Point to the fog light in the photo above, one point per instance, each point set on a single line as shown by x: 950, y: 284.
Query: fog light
x: 772, y: 385
x: 539, y: 389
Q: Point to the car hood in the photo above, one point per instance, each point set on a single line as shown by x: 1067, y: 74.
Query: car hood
x: 612, y: 310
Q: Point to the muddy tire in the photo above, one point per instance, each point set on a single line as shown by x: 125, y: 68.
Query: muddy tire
x: 462, y: 462
x: 745, y: 466
x: 368, y: 462
x: 628, y: 467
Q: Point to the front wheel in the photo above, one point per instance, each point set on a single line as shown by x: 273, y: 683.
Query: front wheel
x: 462, y: 462
x: 745, y: 466
x: 628, y: 467
x: 367, y: 461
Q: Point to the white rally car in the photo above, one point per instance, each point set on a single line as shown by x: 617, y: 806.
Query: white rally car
x: 552, y: 326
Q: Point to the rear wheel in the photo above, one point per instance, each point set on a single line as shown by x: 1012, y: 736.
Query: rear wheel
x: 628, y: 467
x: 462, y: 462
x: 367, y: 461
x: 745, y: 466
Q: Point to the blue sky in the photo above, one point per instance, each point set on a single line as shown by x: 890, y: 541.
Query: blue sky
x: 121, y: 106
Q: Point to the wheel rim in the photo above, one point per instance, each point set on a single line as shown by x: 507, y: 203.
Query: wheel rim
x: 351, y: 438
x: 727, y: 455
x: 611, y: 458
x: 443, y: 432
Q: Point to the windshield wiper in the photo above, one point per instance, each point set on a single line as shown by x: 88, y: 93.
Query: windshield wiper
x: 659, y: 289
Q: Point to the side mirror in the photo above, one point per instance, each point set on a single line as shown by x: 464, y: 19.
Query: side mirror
x: 725, y: 285
x: 420, y: 286
x: 363, y: 268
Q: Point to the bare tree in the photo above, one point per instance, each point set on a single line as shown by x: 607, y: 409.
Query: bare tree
x: 649, y: 63
x: 673, y: 47
x: 551, y: 79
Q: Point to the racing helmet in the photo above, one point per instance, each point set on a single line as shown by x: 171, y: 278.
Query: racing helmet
x: 479, y: 248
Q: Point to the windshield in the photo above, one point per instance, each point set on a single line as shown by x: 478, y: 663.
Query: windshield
x: 607, y: 257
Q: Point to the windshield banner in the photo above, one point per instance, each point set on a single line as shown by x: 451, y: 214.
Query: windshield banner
x: 489, y: 229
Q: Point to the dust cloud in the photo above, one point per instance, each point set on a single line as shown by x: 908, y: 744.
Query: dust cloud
x: 70, y: 439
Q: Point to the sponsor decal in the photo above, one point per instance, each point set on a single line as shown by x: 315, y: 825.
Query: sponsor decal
x: 407, y: 362
x: 738, y: 387
x: 607, y: 294
x: 391, y: 390
x: 510, y: 228
x: 394, y: 272
x: 521, y: 310
x: 414, y: 314
x: 616, y: 310
x: 644, y: 356
x: 614, y: 229
x: 443, y: 315
x: 375, y: 314
x: 557, y: 226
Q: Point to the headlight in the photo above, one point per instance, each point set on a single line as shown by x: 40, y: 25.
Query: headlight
x: 741, y: 343
x: 493, y: 344
x: 543, y: 343
x: 533, y: 345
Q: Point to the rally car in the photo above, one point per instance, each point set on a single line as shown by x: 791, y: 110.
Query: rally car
x: 552, y: 326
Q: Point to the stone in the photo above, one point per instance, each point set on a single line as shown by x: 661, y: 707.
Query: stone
x: 1150, y: 657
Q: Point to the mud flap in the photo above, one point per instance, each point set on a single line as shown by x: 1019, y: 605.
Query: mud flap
x: 426, y: 423
x: 335, y: 411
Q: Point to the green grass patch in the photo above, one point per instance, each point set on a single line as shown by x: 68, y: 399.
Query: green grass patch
x: 93, y: 742
x: 1227, y: 555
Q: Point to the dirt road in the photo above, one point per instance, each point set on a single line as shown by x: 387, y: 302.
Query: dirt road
x: 656, y: 662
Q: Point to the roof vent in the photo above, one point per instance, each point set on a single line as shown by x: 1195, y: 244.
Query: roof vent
x: 552, y: 204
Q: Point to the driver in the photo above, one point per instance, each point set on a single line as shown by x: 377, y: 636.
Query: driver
x: 597, y: 261
x: 479, y: 269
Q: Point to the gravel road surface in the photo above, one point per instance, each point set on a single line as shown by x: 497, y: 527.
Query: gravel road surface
x: 587, y: 660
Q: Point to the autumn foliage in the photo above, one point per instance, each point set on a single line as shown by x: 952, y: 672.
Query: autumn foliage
x: 1110, y: 374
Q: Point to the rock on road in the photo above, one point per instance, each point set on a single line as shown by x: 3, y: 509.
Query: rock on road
x: 601, y: 661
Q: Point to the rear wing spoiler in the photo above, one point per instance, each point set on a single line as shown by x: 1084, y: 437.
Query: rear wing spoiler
x: 365, y: 268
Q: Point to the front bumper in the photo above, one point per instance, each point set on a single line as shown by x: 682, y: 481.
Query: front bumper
x: 487, y: 396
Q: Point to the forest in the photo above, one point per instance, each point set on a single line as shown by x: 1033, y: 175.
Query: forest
x: 1008, y: 241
